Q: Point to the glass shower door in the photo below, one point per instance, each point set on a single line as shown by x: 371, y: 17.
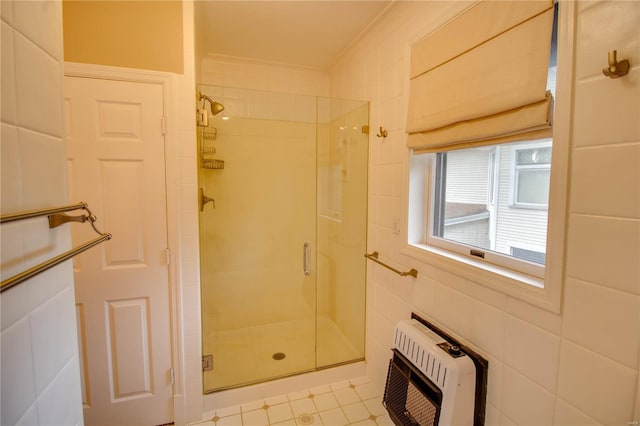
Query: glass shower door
x: 282, y: 243
x: 258, y: 304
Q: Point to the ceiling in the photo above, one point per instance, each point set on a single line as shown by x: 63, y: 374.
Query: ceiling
x: 304, y: 33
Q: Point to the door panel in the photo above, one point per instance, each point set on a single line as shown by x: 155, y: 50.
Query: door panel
x: 129, y: 372
x: 123, y: 186
x: 116, y: 158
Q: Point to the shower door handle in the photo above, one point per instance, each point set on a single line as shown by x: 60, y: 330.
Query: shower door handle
x: 306, y: 259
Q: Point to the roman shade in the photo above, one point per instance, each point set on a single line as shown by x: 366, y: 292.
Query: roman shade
x: 481, y: 78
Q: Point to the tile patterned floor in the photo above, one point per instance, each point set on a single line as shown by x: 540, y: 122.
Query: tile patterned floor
x: 353, y: 402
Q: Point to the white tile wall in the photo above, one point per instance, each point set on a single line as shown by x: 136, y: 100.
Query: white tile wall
x: 542, y: 364
x: 604, y: 250
x: 570, y: 416
x: 526, y: 403
x: 600, y: 171
x: 604, y: 320
x: 39, y: 365
x: 233, y: 72
x: 533, y: 352
x: 30, y: 65
x: 608, y: 393
x: 8, y: 75
x: 189, y: 394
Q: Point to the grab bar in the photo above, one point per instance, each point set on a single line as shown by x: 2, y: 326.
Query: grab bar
x: 55, y: 219
x: 374, y: 256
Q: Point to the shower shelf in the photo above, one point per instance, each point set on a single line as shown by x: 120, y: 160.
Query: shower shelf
x: 212, y: 164
x: 209, y: 135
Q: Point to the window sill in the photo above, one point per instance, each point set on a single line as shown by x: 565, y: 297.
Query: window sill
x: 521, y: 286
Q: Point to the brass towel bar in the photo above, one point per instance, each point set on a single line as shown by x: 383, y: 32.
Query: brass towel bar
x: 42, y: 212
x: 374, y: 256
x: 56, y: 218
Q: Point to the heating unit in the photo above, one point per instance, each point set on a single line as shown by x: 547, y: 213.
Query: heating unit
x: 431, y: 381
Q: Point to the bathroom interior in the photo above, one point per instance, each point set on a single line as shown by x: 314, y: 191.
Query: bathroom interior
x: 301, y: 169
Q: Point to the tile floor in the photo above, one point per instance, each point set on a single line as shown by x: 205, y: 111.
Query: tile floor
x: 352, y: 402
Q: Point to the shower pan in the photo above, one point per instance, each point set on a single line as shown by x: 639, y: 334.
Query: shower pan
x: 281, y: 248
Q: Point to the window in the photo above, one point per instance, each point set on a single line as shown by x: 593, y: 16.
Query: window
x: 482, y: 198
x: 471, y: 209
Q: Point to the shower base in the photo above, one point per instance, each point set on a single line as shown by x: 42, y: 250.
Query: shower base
x: 246, y: 356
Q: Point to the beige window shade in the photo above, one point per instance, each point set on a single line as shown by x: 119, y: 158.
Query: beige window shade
x: 482, y: 77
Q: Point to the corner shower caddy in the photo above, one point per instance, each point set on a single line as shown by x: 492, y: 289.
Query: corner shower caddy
x: 209, y: 134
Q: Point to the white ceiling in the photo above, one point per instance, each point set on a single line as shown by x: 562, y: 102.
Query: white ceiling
x: 305, y: 33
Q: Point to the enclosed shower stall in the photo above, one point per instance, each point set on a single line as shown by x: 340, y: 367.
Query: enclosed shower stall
x: 283, y: 216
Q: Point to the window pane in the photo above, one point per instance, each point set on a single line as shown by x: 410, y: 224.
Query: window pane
x: 530, y: 255
x: 474, y: 205
x: 533, y: 186
x: 533, y: 156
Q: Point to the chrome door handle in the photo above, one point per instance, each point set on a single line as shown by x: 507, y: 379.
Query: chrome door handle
x: 306, y: 259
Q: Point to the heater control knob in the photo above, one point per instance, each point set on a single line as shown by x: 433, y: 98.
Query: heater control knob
x: 455, y: 350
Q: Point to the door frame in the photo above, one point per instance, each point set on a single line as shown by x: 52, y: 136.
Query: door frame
x: 167, y: 81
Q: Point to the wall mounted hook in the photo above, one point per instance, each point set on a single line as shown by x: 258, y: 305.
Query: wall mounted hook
x: 382, y: 133
x: 616, y: 69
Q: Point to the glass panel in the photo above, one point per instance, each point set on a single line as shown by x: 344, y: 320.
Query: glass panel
x: 533, y: 186
x: 473, y: 203
x: 533, y: 156
x: 342, y: 229
x: 280, y: 178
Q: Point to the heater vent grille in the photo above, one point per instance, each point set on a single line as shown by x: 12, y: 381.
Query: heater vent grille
x: 420, y: 357
x: 407, y: 404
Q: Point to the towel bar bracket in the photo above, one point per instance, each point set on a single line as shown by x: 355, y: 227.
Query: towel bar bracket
x: 58, y: 219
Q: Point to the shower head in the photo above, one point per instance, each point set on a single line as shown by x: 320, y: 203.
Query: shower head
x: 216, y: 107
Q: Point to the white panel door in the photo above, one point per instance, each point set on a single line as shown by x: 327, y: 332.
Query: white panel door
x: 116, y: 165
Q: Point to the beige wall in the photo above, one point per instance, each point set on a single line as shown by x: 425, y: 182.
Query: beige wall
x: 130, y: 34
x: 581, y: 366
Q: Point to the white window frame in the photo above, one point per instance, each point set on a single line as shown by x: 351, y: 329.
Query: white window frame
x: 543, y: 291
x: 483, y: 256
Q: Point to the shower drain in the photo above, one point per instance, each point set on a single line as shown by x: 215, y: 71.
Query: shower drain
x: 305, y: 419
x: 278, y: 356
